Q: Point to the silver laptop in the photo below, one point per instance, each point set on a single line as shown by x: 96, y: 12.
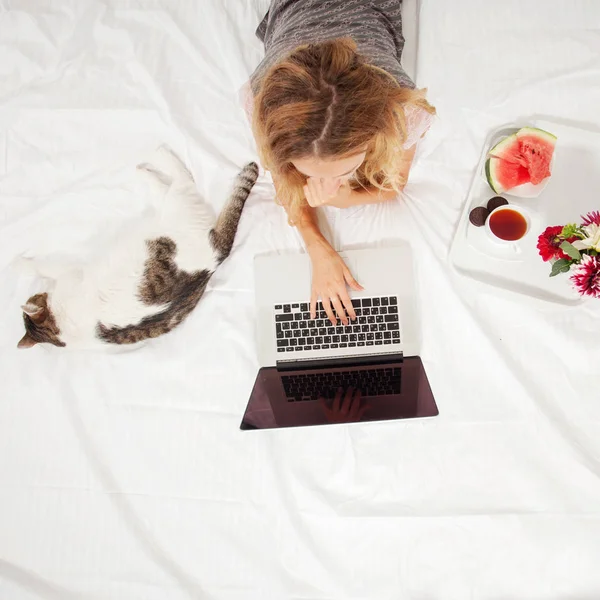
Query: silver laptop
x: 305, y: 361
x: 385, y: 323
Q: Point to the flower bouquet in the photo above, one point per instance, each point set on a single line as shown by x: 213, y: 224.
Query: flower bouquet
x: 575, y: 248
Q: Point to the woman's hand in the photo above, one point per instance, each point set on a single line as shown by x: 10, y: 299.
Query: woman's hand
x: 329, y: 280
x: 327, y: 192
x: 350, y: 410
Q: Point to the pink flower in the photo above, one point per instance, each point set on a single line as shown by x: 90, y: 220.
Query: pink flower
x: 586, y: 276
x: 592, y: 218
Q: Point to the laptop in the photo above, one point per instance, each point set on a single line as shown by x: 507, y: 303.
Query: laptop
x: 313, y: 372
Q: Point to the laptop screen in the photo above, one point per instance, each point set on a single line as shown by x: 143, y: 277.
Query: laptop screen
x: 320, y: 396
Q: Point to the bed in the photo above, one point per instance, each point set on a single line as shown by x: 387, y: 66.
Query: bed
x: 126, y: 476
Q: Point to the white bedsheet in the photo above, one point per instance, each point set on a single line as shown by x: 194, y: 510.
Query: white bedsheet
x: 126, y: 477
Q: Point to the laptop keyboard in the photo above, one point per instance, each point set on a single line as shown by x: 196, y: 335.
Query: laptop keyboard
x: 311, y: 386
x: 376, y: 324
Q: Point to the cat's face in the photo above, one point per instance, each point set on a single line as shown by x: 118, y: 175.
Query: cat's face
x: 40, y: 324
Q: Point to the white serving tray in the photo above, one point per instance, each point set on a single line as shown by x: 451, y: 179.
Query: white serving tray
x: 571, y: 191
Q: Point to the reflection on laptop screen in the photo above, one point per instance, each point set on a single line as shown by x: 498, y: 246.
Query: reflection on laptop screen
x: 317, y: 396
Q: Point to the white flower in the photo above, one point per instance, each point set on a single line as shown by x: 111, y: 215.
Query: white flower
x: 592, y: 239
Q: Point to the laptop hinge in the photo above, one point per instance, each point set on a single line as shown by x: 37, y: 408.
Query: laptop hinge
x: 339, y: 361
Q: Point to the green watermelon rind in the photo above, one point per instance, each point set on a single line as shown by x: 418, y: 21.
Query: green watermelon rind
x: 502, y: 144
x: 490, y: 179
x: 546, y: 135
x: 499, y: 148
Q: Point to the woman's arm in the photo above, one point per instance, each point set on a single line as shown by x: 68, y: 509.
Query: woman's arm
x: 330, y: 274
x: 306, y: 224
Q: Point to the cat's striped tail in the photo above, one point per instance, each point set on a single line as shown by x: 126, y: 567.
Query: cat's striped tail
x: 223, y: 233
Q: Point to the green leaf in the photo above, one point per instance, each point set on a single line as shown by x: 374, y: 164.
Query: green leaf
x: 570, y: 230
x: 569, y: 249
x: 562, y: 265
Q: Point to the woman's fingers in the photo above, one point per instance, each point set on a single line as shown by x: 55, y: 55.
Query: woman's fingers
x: 355, y: 406
x: 339, y: 309
x: 312, y: 193
x: 346, y: 407
x: 348, y: 305
x: 330, y: 276
x: 320, y: 191
x: 313, y: 304
x: 327, y: 308
x: 328, y: 412
x: 330, y: 187
x: 336, y: 401
x: 347, y: 400
x: 309, y: 196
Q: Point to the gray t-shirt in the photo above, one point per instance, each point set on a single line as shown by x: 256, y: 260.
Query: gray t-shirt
x: 375, y: 26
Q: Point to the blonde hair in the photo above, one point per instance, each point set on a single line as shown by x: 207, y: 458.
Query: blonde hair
x: 324, y: 101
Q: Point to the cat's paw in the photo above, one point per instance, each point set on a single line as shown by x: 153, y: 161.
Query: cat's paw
x: 155, y: 177
x: 146, y: 166
x: 167, y: 161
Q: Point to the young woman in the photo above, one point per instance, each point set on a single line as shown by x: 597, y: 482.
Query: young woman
x: 336, y: 119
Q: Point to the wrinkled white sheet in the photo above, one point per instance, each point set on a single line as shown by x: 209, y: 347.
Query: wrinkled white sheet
x: 126, y: 477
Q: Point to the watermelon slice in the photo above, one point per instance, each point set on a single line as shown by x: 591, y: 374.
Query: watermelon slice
x: 536, y: 147
x: 507, y: 149
x: 521, y: 158
x: 504, y: 175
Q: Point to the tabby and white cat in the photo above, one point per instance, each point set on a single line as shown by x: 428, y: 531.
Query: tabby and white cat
x: 152, y: 279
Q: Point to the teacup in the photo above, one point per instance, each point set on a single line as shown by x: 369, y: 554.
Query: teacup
x: 508, y: 224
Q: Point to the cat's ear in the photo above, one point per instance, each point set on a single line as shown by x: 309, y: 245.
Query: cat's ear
x: 36, y: 308
x: 35, y: 312
x: 31, y: 309
x: 26, y: 342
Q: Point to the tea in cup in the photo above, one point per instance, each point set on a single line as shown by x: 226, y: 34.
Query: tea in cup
x: 507, y: 224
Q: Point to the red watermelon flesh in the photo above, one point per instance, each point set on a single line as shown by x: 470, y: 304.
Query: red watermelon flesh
x: 537, y: 154
x: 504, y: 175
x: 515, y: 174
x: 523, y: 157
